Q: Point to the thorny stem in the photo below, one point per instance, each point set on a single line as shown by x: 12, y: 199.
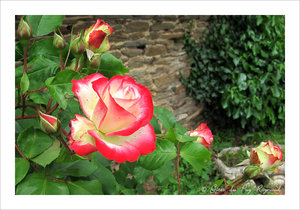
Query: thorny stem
x: 19, y: 151
x: 178, y: 178
x: 65, y: 133
x: 25, y: 95
x: 53, y: 109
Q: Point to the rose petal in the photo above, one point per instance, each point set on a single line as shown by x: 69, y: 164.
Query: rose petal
x: 80, y: 141
x: 95, y: 39
x: 126, y: 148
x: 88, y: 99
x: 116, y: 117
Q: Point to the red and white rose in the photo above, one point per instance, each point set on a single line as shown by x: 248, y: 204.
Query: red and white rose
x: 267, y: 156
x: 204, y: 135
x: 117, y: 112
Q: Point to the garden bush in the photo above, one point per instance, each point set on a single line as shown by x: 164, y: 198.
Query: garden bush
x: 238, y: 71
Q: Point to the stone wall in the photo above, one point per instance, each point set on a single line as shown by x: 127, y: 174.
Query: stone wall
x: 151, y: 46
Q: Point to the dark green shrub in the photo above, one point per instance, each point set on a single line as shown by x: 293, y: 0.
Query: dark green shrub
x: 238, y: 70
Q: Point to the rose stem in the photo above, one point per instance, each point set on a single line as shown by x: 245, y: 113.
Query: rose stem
x: 61, y: 139
x: 19, y: 151
x: 61, y: 62
x: 26, y: 117
x: 178, y: 179
x: 53, y: 109
x: 25, y: 59
x: 65, y: 133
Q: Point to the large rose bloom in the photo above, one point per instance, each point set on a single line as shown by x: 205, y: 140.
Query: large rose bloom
x: 117, y: 113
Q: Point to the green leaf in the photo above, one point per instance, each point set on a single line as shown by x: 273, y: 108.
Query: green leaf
x: 45, y: 47
x: 155, y: 124
x: 165, y: 117
x: 83, y: 187
x: 62, y: 85
x: 140, y: 174
x: 165, y: 151
x: 111, y: 66
x: 259, y: 20
x: 196, y: 154
x: 78, y: 168
x: 33, y: 142
x: 41, y: 70
x: 236, y: 61
x: 170, y: 135
x: 163, y: 172
x: 24, y: 83
x: 22, y: 167
x: 48, y: 155
x: 39, y: 97
x: 185, y: 138
x: 44, y: 24
x: 275, y: 91
x: 38, y: 184
x: 105, y: 177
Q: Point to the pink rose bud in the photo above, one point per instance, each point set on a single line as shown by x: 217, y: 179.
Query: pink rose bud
x: 117, y: 114
x: 58, y: 42
x: 204, y: 134
x: 96, y: 37
x: 49, y: 124
x: 77, y: 46
x: 95, y: 61
x: 266, y: 156
x: 24, y: 32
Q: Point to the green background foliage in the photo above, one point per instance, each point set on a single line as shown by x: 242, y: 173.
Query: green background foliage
x: 238, y: 70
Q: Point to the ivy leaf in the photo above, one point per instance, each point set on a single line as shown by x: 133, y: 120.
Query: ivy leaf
x: 39, y: 184
x: 165, y: 151
x: 48, y: 155
x: 84, y: 187
x: 33, y: 142
x: 44, y: 24
x: 61, y: 86
x: 236, y: 61
x: 22, y: 167
x: 196, y: 154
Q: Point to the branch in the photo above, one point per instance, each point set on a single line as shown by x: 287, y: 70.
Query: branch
x: 19, y: 151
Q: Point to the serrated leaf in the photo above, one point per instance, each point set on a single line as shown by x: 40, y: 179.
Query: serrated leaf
x: 155, y: 124
x: 140, y: 174
x: 39, y: 184
x: 61, y: 86
x: 84, y: 187
x: 196, y: 154
x: 163, y: 172
x: 185, y: 138
x: 165, y: 151
x: 41, y: 70
x: 110, y: 66
x: 39, y: 97
x: 105, y: 177
x: 44, y: 24
x: 21, y: 169
x: 165, y: 117
x: 48, y: 155
x: 33, y: 142
x: 78, y: 168
x: 24, y: 83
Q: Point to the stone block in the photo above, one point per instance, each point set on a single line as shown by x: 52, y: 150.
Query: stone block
x: 164, y: 26
x: 137, y: 26
x: 152, y: 50
x: 131, y: 52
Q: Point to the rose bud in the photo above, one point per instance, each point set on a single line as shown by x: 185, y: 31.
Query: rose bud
x: 266, y: 156
x: 77, y: 46
x: 204, y: 135
x: 117, y: 114
x: 49, y: 124
x: 58, y: 42
x: 96, y: 59
x: 24, y: 32
x: 80, y: 64
x: 96, y: 37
